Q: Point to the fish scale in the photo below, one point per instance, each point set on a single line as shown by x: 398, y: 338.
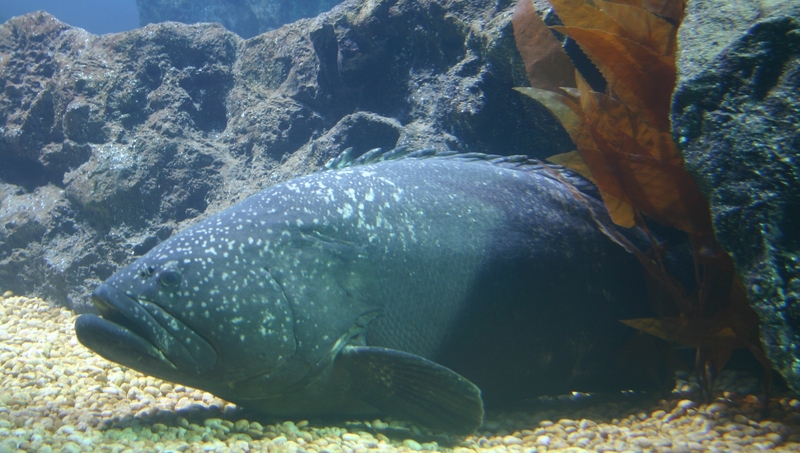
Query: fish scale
x: 419, y: 284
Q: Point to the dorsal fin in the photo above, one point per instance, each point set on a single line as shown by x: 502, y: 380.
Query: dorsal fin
x: 519, y: 162
x: 348, y: 159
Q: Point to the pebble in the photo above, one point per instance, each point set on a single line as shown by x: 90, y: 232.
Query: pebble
x: 511, y: 440
x: 350, y: 436
x: 412, y: 444
x: 241, y: 426
x: 79, y: 402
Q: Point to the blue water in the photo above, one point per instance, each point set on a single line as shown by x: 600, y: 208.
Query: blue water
x: 95, y: 16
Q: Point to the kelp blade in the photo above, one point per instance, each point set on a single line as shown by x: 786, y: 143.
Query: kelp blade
x: 547, y: 64
x: 639, y: 77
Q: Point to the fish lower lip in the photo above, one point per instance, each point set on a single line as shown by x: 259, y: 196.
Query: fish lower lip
x: 119, y: 344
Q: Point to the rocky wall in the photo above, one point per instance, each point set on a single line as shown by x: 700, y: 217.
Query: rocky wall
x: 735, y: 116
x: 110, y: 144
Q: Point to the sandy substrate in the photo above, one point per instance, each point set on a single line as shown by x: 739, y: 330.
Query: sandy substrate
x: 57, y: 396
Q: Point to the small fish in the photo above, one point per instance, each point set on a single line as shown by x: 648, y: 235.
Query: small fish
x: 417, y: 284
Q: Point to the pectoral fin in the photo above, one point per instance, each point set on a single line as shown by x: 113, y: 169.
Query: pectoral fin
x: 413, y: 388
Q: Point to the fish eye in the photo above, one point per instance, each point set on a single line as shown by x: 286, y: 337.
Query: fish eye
x: 170, y: 278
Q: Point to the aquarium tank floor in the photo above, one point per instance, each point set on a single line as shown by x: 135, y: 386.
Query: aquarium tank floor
x: 57, y: 396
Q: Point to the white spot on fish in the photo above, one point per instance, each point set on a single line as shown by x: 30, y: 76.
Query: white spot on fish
x: 346, y: 211
x: 370, y: 196
x: 211, y: 250
x: 329, y: 196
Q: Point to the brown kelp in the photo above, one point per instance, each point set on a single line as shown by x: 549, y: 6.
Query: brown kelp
x: 625, y: 146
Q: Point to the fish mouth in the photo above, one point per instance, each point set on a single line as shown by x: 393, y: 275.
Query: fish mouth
x: 141, y: 335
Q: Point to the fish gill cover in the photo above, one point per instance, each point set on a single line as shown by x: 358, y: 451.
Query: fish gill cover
x: 624, y: 144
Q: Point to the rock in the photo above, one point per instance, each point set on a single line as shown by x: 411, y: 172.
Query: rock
x: 735, y: 118
x: 246, y: 18
x: 120, y: 140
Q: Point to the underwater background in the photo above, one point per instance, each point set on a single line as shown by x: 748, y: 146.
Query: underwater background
x: 94, y: 16
x: 111, y: 144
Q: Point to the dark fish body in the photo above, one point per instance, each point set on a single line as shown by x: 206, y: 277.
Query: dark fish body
x: 394, y: 286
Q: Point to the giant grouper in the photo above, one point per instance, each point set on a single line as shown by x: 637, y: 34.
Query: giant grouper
x: 416, y: 284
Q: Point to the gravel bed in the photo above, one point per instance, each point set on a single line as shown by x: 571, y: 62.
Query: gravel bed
x: 57, y: 396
